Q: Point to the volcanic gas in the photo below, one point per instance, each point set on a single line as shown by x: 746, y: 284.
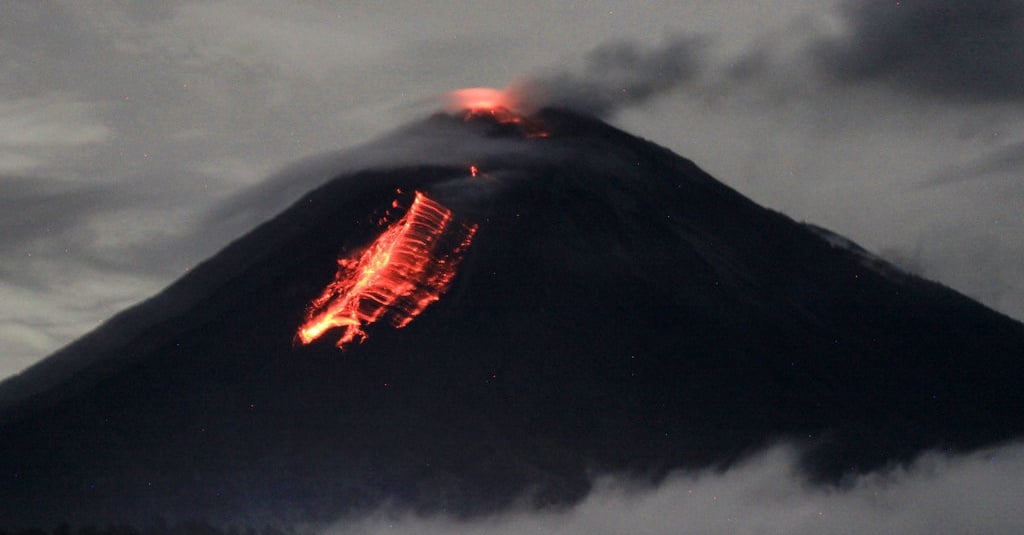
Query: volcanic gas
x: 405, y: 269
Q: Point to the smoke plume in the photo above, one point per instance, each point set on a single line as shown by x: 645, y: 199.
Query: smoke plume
x: 616, y: 75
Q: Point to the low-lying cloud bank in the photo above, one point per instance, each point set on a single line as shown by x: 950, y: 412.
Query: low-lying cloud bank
x: 975, y: 493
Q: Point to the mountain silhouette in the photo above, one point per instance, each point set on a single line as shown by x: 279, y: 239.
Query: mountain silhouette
x: 617, y: 310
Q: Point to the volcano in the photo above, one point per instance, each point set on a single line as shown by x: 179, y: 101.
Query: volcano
x: 567, y: 300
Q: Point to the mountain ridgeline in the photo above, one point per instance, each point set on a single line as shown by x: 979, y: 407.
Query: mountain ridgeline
x: 618, y: 311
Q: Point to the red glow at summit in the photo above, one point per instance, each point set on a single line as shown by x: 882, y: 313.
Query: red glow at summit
x: 501, y: 105
x: 480, y: 100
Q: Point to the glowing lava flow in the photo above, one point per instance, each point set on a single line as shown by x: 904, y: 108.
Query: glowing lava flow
x: 402, y: 272
x: 498, y: 105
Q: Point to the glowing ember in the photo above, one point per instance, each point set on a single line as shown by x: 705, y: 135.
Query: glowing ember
x: 402, y: 272
x: 474, y: 171
x: 501, y: 106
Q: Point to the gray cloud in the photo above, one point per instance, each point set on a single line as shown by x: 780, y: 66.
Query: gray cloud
x: 32, y: 208
x: 947, y: 48
x: 617, y: 74
x: 977, y: 493
x: 77, y: 224
x: 34, y: 130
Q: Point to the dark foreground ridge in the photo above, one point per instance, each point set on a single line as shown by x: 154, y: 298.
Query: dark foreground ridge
x: 619, y: 310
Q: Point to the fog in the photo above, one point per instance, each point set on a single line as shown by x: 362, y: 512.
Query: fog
x: 937, y: 493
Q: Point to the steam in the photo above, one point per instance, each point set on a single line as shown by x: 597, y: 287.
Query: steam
x: 977, y: 493
x: 616, y: 75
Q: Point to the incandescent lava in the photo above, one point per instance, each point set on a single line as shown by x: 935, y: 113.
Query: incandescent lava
x: 404, y: 270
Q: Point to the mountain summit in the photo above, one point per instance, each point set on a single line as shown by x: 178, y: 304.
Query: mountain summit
x: 572, y: 301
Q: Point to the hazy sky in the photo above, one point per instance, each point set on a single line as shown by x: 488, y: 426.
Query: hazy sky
x: 126, y: 127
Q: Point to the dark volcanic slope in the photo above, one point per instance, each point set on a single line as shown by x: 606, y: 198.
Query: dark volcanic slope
x: 619, y: 309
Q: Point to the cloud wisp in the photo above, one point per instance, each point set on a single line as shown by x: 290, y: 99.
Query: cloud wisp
x: 938, y: 493
x: 33, y: 130
x: 1007, y: 161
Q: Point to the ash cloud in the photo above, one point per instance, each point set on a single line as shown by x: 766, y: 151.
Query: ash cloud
x: 938, y: 493
x: 947, y: 48
x: 617, y: 75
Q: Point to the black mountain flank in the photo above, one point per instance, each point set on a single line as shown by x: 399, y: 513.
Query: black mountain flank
x: 618, y: 311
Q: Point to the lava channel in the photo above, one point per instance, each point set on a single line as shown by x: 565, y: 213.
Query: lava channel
x: 408, y: 267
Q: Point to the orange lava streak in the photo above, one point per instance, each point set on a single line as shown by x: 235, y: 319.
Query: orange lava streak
x: 402, y: 272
